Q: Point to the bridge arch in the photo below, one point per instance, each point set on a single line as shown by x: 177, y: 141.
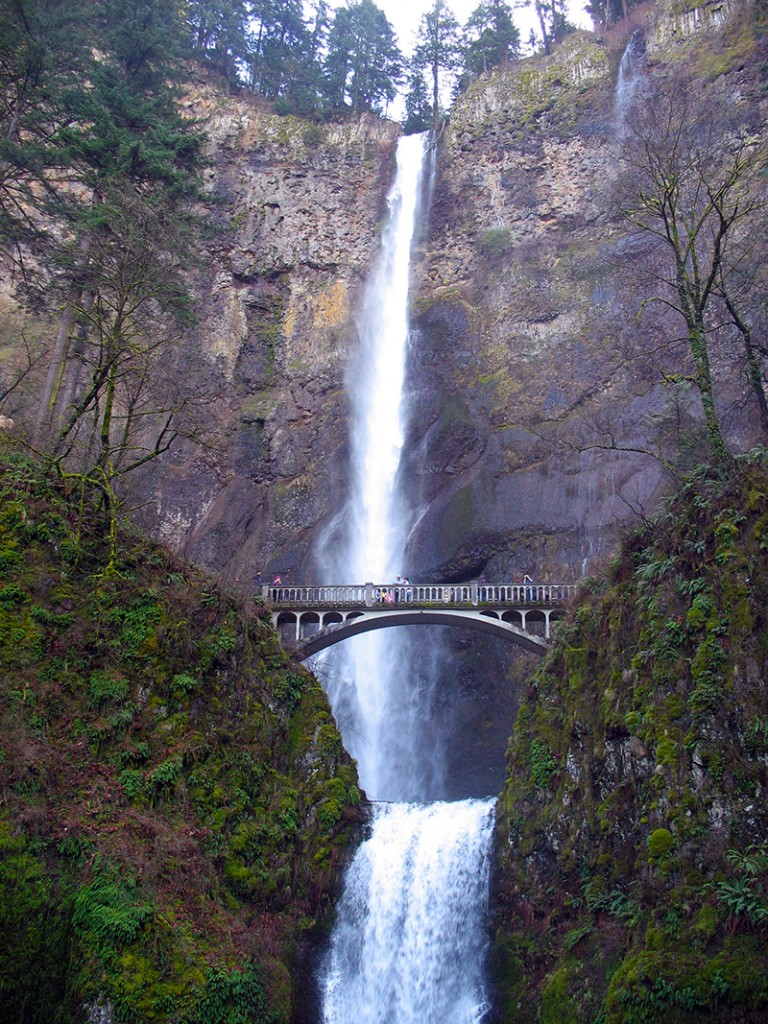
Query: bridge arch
x: 309, y: 619
x: 312, y: 642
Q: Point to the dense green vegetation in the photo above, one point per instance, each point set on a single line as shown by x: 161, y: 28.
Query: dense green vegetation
x: 633, y: 872
x: 175, y: 795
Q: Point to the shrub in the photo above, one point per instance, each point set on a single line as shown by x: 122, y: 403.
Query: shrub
x: 660, y: 842
x: 496, y: 242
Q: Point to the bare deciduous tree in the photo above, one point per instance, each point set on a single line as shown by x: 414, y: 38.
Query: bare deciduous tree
x: 697, y: 194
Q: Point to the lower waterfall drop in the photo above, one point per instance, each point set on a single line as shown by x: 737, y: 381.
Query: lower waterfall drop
x: 411, y: 936
x: 410, y: 942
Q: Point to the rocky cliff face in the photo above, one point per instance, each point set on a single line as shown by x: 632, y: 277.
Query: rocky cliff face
x: 527, y: 297
x: 298, y: 207
x: 535, y: 333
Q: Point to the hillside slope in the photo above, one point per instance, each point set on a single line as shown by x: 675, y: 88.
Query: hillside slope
x: 175, y: 796
x: 632, y: 837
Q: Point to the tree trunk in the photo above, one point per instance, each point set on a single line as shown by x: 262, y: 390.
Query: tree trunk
x: 543, y: 26
x: 754, y: 373
x: 47, y: 415
x: 697, y: 342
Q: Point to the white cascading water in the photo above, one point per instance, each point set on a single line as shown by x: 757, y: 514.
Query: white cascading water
x: 629, y: 80
x: 411, y: 935
x: 383, y: 713
x: 410, y: 939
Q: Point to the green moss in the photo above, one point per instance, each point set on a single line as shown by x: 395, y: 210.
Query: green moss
x: 558, y: 1005
x: 629, y: 844
x: 666, y: 751
x: 259, y: 406
x: 660, y: 843
x: 164, y: 726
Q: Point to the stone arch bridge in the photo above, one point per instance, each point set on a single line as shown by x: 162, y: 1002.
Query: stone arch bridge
x: 309, y: 619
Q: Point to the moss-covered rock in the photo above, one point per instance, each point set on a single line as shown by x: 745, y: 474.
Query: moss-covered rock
x: 632, y: 864
x: 176, y: 797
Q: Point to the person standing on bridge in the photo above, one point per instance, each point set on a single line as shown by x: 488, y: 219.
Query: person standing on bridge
x: 528, y: 582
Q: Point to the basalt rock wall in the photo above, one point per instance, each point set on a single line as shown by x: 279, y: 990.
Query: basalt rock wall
x: 539, y: 387
x: 297, y: 210
x: 533, y: 398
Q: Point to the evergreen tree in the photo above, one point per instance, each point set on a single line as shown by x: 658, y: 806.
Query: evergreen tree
x: 491, y: 37
x: 280, y: 46
x: 553, y: 21
x: 418, y: 109
x: 307, y: 88
x: 364, y: 62
x: 219, y: 34
x: 438, y: 50
x: 128, y: 139
x: 124, y: 407
x: 44, y: 57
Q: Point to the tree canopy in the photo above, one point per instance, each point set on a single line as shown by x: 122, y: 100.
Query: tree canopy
x: 491, y: 37
x: 98, y: 173
x: 364, y: 63
x: 438, y: 50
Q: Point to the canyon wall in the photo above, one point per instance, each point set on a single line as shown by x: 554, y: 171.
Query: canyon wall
x: 532, y: 408
x: 540, y: 393
x: 539, y: 402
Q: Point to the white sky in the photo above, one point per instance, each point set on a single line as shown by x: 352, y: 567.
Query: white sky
x: 405, y: 16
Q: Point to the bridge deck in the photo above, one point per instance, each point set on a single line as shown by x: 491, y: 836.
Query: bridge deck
x: 456, y: 595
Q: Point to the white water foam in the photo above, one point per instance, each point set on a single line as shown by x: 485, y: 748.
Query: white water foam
x: 410, y: 943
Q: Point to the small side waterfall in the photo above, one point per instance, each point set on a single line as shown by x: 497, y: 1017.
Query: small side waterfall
x: 410, y: 940
x: 629, y: 80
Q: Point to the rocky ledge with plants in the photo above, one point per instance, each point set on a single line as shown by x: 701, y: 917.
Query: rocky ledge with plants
x: 632, y: 837
x: 175, y: 797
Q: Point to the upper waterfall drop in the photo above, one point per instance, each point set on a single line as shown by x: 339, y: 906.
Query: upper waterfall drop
x: 380, y: 712
x: 376, y: 383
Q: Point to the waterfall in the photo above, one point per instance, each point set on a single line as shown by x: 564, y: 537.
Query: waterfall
x: 629, y: 79
x: 411, y: 936
x: 384, y: 713
x: 410, y: 939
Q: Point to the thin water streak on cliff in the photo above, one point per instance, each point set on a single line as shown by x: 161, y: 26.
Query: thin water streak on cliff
x: 629, y: 81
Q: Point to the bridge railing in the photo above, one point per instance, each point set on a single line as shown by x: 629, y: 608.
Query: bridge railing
x: 374, y: 595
